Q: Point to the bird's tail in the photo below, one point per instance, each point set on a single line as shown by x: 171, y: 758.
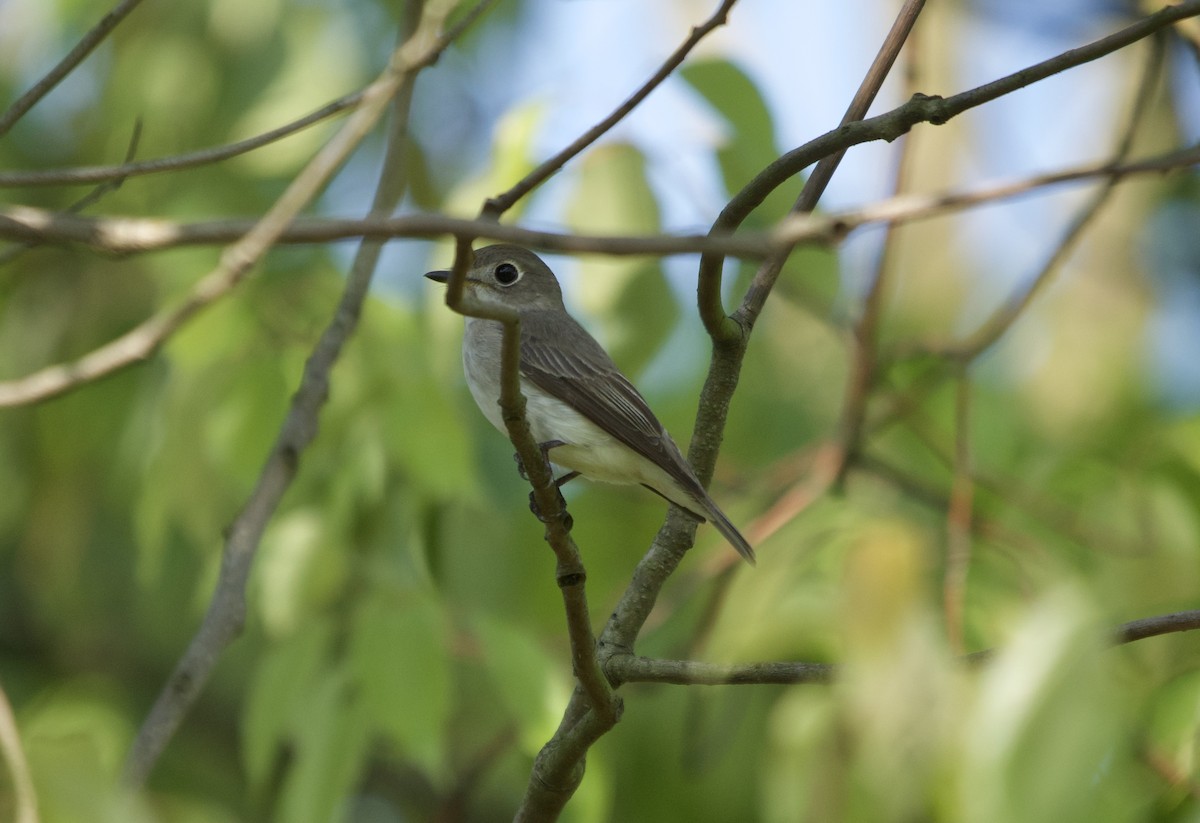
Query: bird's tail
x: 712, y: 513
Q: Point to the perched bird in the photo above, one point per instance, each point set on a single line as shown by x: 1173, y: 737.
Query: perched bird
x: 587, y: 416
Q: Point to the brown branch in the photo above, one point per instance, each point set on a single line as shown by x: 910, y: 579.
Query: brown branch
x: 570, y: 573
x: 99, y: 174
x: 865, y: 340
x: 630, y: 668
x: 889, y: 126
x: 123, y: 235
x: 496, y: 206
x: 992, y: 329
x: 74, y: 57
x: 126, y: 235
x: 88, y: 199
x: 226, y: 612
x: 712, y: 312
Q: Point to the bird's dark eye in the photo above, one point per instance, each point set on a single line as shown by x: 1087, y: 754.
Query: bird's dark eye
x: 507, y: 274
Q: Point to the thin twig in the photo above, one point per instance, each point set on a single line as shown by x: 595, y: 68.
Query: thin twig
x: 74, y: 57
x: 631, y: 668
x: 992, y: 329
x: 889, y: 126
x: 712, y: 312
x: 496, y: 206
x: 179, y: 162
x: 94, y: 196
x: 226, y: 612
x: 123, y: 235
x: 865, y: 340
x: 128, y: 235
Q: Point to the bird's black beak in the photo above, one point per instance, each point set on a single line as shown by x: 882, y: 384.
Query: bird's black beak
x: 438, y: 276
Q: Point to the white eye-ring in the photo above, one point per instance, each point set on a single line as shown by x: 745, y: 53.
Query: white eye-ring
x: 506, y: 274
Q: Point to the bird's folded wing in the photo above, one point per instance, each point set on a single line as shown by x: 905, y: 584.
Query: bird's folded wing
x: 567, y: 363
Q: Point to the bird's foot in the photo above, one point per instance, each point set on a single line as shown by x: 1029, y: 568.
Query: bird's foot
x: 545, y: 449
x: 567, y: 521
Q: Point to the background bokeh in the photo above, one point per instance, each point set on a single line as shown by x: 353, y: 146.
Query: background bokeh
x: 405, y: 654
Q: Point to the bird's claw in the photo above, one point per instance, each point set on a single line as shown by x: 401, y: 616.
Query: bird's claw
x: 545, y: 449
x: 567, y: 521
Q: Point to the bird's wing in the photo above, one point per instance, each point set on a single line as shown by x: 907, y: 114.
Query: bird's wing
x: 563, y: 360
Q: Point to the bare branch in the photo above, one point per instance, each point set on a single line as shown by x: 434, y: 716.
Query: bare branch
x: 889, y: 126
x: 74, y: 57
x: 630, y: 668
x: 496, y: 206
x: 634, y: 669
x: 991, y: 330
x: 709, y: 291
x: 99, y: 174
x: 122, y: 235
x: 226, y: 613
x: 865, y: 340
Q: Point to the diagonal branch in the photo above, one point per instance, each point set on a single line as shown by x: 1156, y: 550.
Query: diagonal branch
x: 226, y: 613
x: 99, y: 174
x: 496, y: 206
x: 74, y: 57
x: 889, y: 126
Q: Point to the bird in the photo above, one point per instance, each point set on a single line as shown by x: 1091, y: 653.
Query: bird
x: 585, y: 414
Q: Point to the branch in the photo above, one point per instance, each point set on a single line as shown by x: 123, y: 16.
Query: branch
x: 226, y: 613
x: 991, y: 330
x: 630, y: 668
x: 65, y: 66
x: 712, y: 312
x: 98, y: 174
x: 496, y: 206
x: 122, y: 235
x: 889, y: 126
x: 126, y: 235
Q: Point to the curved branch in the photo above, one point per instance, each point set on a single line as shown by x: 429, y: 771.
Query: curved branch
x: 898, y: 121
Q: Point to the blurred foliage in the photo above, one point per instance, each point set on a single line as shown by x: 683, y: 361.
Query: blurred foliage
x: 404, y: 657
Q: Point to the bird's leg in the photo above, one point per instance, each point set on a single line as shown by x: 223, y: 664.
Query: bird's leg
x: 545, y: 448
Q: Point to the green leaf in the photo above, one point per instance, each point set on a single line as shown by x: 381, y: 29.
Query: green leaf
x: 279, y: 692
x: 332, y: 741
x: 628, y: 297
x: 524, y: 676
x: 750, y: 146
x: 400, y: 663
